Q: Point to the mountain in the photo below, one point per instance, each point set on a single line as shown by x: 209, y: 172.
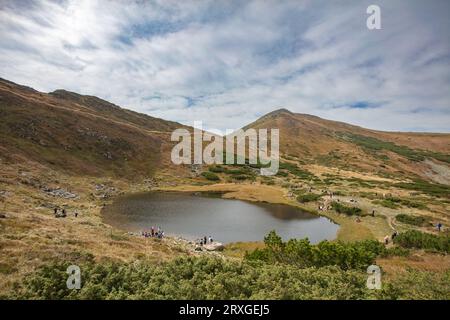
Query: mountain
x: 80, y: 134
x: 313, y: 140
x: 85, y: 135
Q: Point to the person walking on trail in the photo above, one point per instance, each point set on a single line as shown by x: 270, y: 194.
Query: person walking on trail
x: 439, y: 226
x: 394, y: 235
x: 386, y: 240
x: 210, y: 239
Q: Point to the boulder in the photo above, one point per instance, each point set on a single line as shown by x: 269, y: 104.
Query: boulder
x: 215, y: 246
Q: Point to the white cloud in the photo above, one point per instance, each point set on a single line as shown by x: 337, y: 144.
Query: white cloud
x: 227, y: 63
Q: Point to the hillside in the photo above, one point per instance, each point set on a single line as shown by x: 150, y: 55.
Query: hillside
x: 80, y: 134
x: 87, y: 135
x: 313, y: 140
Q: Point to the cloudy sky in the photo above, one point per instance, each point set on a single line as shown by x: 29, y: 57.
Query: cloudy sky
x: 229, y: 62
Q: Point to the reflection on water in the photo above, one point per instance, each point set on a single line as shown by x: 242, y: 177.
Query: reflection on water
x: 193, y: 216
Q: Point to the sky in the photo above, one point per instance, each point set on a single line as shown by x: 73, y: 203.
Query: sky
x: 227, y: 63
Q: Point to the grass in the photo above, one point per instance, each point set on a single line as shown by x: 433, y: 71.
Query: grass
x: 375, y: 145
x: 411, y: 219
x: 216, y: 169
x: 387, y: 203
x: 296, y: 171
x: 210, y: 176
x: 309, y: 197
x: 434, y: 189
x: 421, y: 240
x: 341, y: 208
x: 239, y: 249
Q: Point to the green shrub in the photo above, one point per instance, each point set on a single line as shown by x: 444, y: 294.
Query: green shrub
x: 375, y: 145
x: 236, y: 171
x: 296, y: 171
x: 417, y: 285
x: 421, y: 240
x: 216, y: 169
x: 396, y: 251
x: 387, y: 203
x: 350, y: 211
x: 281, y: 173
x: 210, y: 176
x: 394, y: 203
x: 434, y: 189
x: 304, y: 198
x: 301, y: 253
x: 295, y: 269
x: 242, y: 177
x: 198, y: 278
x: 411, y: 219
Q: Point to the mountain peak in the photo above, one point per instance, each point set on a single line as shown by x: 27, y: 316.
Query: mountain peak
x: 279, y: 112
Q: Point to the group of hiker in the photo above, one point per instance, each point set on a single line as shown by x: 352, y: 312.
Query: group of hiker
x: 153, y: 233
x: 204, y: 240
x: 62, y: 213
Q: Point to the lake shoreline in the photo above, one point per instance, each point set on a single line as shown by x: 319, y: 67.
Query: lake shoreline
x: 228, y: 222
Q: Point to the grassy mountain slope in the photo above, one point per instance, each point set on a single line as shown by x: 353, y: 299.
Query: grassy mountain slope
x: 80, y: 134
x: 313, y: 140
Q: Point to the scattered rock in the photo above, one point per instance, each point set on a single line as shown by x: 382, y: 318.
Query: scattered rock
x: 103, y: 191
x: 215, y: 246
x: 59, y: 192
x: 99, y: 187
x: 5, y: 194
x: 2, y: 216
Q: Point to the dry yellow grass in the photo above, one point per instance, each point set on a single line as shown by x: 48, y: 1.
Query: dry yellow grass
x: 419, y: 260
x: 249, y: 192
x: 239, y: 249
x: 31, y: 236
x: 320, y: 170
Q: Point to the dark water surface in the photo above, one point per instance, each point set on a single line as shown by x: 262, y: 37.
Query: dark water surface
x: 193, y: 216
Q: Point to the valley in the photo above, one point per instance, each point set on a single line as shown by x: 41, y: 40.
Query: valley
x: 80, y: 153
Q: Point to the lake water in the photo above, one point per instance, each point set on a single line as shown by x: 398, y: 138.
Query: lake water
x: 225, y: 220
